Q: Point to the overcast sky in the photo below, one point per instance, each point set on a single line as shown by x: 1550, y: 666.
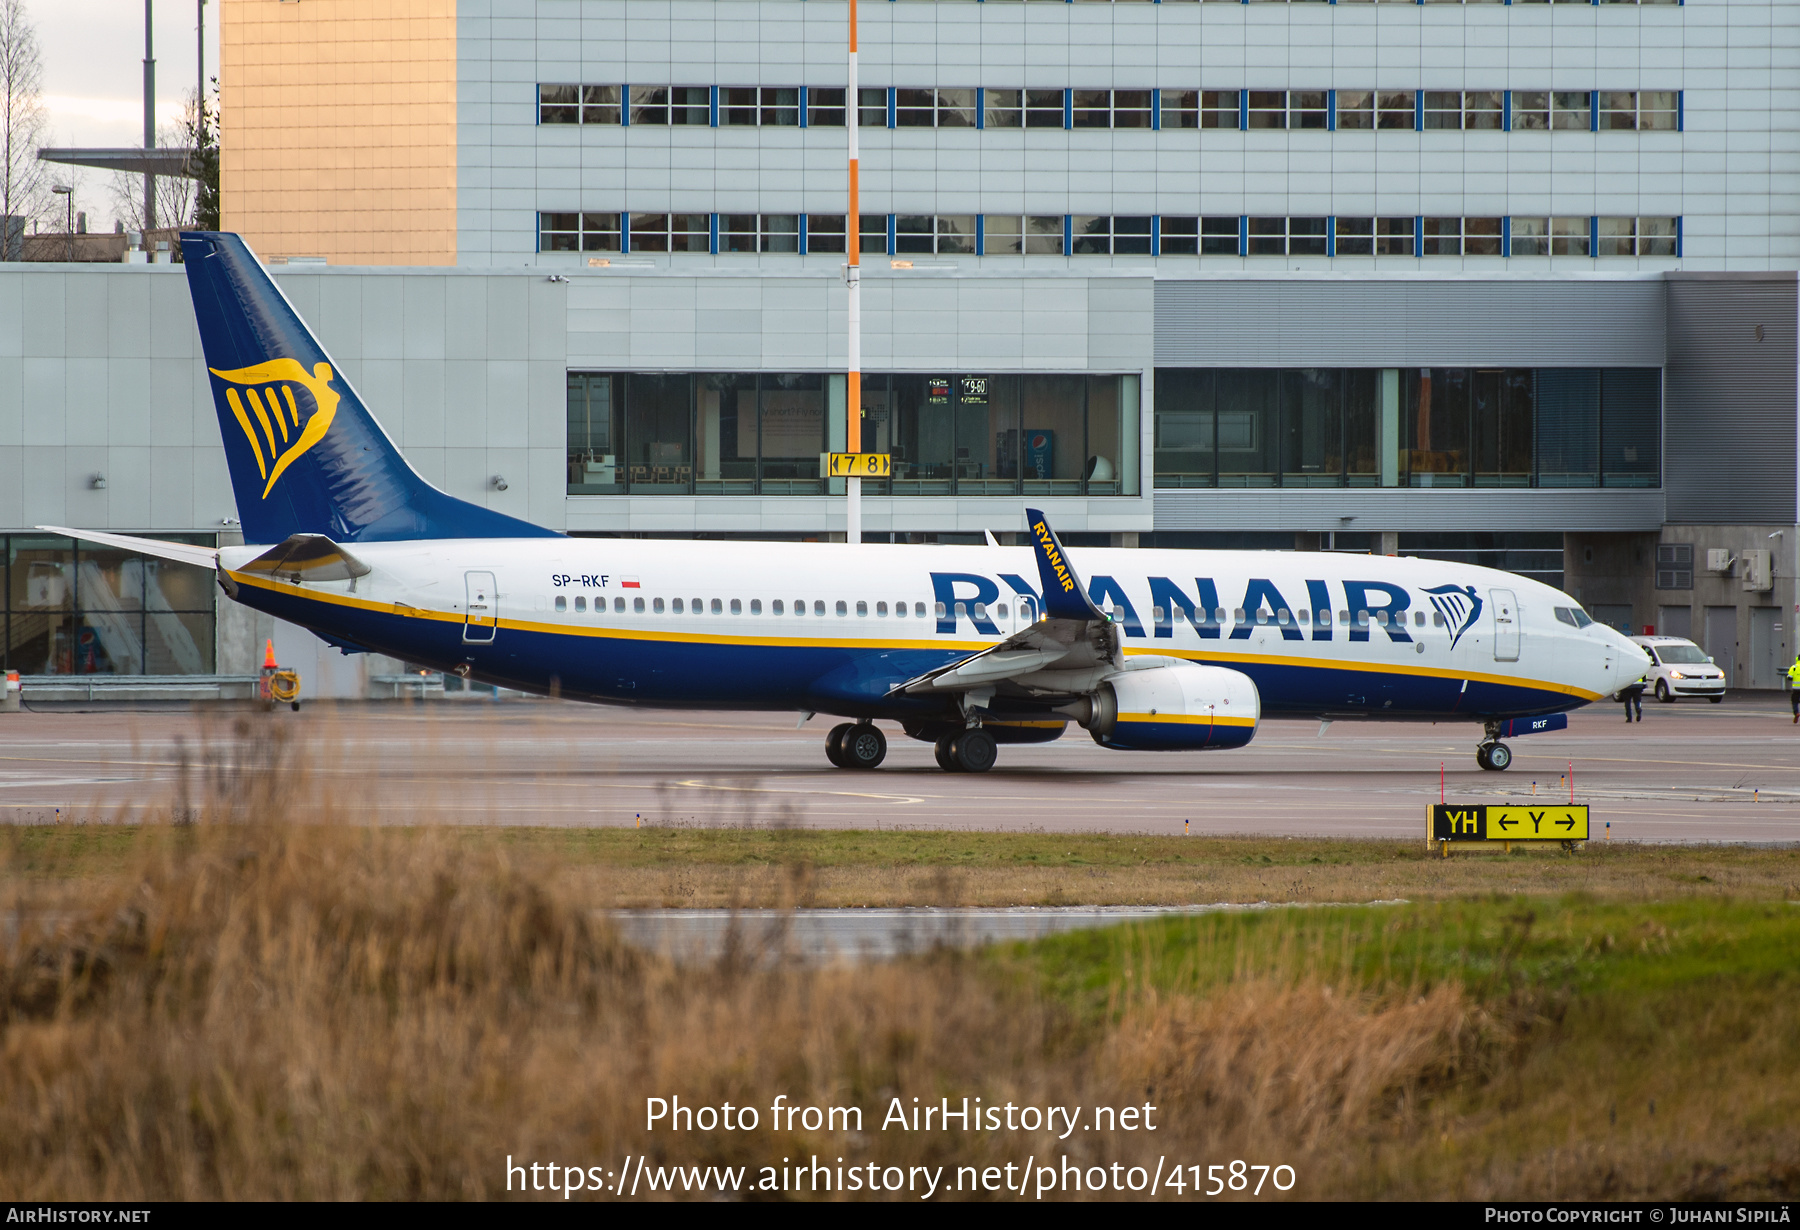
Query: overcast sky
x: 93, y: 54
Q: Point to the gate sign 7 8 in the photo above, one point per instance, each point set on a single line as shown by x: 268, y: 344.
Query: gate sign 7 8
x: 858, y: 465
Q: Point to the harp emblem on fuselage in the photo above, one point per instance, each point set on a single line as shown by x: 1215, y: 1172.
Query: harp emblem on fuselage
x: 1459, y: 606
x: 279, y: 425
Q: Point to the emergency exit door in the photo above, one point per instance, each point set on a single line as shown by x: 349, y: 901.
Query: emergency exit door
x: 480, y: 615
x: 1506, y: 625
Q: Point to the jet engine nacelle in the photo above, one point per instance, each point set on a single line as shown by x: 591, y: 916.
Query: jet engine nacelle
x: 1172, y: 706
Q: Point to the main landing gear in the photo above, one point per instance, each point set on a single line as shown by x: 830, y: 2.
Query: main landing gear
x: 856, y: 745
x: 973, y: 751
x: 1491, y: 753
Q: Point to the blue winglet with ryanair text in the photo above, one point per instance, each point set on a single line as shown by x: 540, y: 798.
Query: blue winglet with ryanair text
x: 1065, y: 597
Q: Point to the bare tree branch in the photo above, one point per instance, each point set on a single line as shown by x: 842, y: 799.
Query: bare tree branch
x: 24, y: 183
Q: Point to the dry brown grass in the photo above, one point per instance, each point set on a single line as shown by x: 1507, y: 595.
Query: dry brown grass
x: 264, y: 1003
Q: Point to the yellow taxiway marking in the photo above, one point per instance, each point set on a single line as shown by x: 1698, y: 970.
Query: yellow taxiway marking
x: 851, y: 794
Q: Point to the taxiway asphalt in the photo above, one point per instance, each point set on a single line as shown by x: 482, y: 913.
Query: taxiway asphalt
x: 1688, y: 772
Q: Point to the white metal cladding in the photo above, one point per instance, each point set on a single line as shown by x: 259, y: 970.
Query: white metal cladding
x: 1410, y: 510
x: 1730, y: 399
x: 1406, y: 322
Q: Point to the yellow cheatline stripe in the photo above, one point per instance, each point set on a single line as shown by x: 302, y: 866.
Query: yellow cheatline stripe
x: 237, y: 408
x: 1377, y: 668
x: 704, y: 638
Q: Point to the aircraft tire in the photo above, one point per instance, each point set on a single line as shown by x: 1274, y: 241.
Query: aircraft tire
x: 834, y: 745
x: 975, y: 751
x: 1499, y: 757
x: 946, y: 756
x: 865, y: 747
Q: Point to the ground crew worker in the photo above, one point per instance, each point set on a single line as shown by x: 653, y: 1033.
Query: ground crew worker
x: 1794, y: 688
x: 1632, y: 694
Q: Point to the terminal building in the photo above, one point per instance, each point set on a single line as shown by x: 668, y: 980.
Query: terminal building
x: 1513, y: 283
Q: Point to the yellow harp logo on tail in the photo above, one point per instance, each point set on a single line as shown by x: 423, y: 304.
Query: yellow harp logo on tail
x: 273, y: 421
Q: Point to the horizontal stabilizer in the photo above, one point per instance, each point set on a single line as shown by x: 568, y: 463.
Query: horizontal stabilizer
x: 307, y: 557
x: 180, y: 552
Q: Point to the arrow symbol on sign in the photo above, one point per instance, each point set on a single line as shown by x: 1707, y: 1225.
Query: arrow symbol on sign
x: 1506, y: 824
x: 1568, y: 824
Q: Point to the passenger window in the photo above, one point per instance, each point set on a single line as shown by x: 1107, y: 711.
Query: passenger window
x: 717, y: 607
x: 1219, y: 616
x: 1362, y: 619
x: 619, y: 605
x: 737, y: 607
x: 756, y: 606
x: 562, y: 603
x: 981, y: 610
x: 1381, y: 617
x: 1238, y: 615
x: 862, y: 610
x: 880, y: 609
x: 961, y: 609
x: 775, y: 608
x: 1281, y: 617
x: 1303, y: 617
x: 580, y: 603
x: 799, y: 606
x: 1325, y: 619
x: 819, y: 607
x: 1262, y: 615
x: 842, y: 609
x: 1000, y: 611
x: 940, y: 608
x: 698, y: 606
x: 1343, y: 617
x: 656, y: 606
x: 1437, y: 619
x: 1418, y: 619
x: 919, y: 609
x: 637, y: 605
x: 675, y: 606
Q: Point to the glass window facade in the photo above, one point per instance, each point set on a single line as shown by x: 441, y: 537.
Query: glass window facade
x: 77, y: 609
x: 762, y: 433
x: 1408, y: 427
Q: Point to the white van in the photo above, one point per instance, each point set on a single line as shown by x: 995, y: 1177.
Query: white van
x: 1681, y: 668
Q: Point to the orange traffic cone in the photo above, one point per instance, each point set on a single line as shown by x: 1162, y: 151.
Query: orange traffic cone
x: 269, y: 663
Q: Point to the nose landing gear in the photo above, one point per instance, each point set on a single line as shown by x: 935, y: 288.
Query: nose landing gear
x: 1493, y: 754
x: 856, y: 745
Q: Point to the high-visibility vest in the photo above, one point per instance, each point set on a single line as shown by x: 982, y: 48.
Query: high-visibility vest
x: 1794, y: 673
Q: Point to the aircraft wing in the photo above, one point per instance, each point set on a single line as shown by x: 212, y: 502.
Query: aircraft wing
x: 180, y: 552
x: 1072, y: 634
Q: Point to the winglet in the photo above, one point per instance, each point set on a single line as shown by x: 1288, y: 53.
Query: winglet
x: 1065, y: 597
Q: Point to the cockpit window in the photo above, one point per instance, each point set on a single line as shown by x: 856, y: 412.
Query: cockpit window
x: 1574, y: 616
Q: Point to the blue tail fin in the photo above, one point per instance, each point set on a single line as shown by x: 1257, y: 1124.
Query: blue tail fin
x: 305, y: 455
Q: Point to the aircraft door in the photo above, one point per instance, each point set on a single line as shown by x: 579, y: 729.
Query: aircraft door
x: 482, y: 612
x: 1506, y: 626
x: 1025, y: 612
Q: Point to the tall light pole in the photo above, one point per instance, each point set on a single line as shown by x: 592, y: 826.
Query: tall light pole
x: 68, y: 195
x: 853, y: 281
x: 149, y: 127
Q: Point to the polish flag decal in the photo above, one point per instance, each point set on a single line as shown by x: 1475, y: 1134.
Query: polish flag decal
x: 630, y: 583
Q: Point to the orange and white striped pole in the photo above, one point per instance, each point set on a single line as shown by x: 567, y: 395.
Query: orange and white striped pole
x: 853, y: 281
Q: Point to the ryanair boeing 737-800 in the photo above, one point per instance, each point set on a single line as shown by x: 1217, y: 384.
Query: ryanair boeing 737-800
x: 965, y: 647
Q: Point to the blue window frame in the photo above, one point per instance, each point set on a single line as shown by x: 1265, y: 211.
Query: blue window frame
x: 1156, y: 105
x: 980, y: 106
x: 1243, y: 232
x: 1156, y: 227
x: 1331, y: 232
x: 1331, y: 109
x: 1419, y: 235
x: 1506, y: 107
x: 890, y: 217
x: 803, y: 125
x: 890, y: 107
x: 1068, y: 104
x: 712, y: 107
x: 713, y: 240
x: 625, y: 104
x: 1419, y: 106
